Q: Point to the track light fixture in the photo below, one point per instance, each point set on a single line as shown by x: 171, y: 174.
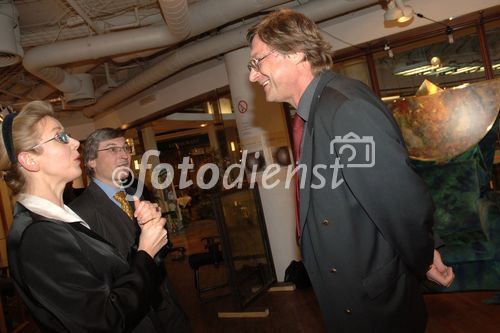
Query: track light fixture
x: 448, y: 30
x: 449, y: 33
x: 387, y: 48
x: 398, y: 11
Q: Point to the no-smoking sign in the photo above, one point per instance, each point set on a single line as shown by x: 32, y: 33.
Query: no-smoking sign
x: 242, y: 106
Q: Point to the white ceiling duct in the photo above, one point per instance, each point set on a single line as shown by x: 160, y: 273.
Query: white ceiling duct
x: 78, y: 29
x: 201, y: 50
x: 11, y: 51
x: 82, y: 96
x: 42, y: 91
x: 136, y: 55
x: 177, y: 20
x: 204, y: 16
x: 176, y: 16
x: 208, y: 48
x: 41, y: 61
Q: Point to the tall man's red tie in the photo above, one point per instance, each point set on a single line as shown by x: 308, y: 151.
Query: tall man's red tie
x: 298, y: 131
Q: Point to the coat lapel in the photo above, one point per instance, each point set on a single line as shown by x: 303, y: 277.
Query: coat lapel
x: 307, y: 146
x: 306, y: 159
x: 109, y: 208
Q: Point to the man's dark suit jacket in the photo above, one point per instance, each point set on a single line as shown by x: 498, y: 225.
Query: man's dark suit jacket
x: 74, y: 281
x: 366, y: 243
x: 110, y: 222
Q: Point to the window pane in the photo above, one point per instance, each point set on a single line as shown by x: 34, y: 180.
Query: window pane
x: 493, y: 40
x: 445, y: 61
x: 355, y: 69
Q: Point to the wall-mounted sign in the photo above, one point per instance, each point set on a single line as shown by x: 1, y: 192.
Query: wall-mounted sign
x: 242, y: 106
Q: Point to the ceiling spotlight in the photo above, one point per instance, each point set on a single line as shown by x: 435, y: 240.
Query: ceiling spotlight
x: 392, y: 13
x: 407, y: 12
x: 397, y: 11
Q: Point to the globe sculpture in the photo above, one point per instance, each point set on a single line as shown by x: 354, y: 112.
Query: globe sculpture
x: 439, y: 124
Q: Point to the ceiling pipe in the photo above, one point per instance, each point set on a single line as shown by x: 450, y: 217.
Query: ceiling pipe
x: 175, y: 13
x: 41, y: 61
x: 196, y: 52
x: 84, y: 16
x: 135, y: 55
x: 80, y: 29
x: 204, y: 16
x: 176, y: 16
x: 209, y: 48
x: 11, y: 51
x: 42, y: 91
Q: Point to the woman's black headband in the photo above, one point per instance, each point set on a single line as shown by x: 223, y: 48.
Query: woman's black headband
x: 7, y: 136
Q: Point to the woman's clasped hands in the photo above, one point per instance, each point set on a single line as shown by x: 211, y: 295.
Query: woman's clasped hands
x: 153, y: 236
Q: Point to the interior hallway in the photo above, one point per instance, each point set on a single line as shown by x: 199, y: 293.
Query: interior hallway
x: 298, y: 311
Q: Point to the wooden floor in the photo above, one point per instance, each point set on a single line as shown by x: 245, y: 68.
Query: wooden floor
x: 298, y: 311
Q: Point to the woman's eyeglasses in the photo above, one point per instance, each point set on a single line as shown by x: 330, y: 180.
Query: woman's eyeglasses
x: 115, y: 149
x: 61, y: 137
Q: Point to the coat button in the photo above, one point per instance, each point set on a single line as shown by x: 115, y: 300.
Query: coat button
x: 348, y: 311
x: 325, y: 222
x: 333, y: 270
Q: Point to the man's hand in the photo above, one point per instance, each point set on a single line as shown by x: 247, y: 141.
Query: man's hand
x: 153, y: 235
x: 146, y: 212
x: 439, y: 272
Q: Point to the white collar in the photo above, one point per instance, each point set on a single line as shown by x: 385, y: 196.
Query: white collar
x: 49, y: 209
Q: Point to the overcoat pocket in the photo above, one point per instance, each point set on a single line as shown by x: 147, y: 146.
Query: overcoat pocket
x: 383, y: 278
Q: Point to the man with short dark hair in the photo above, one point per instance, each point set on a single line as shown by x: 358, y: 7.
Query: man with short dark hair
x: 107, y: 161
x: 365, y: 220
x: 104, y: 207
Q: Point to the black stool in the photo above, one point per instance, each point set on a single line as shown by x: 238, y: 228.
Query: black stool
x: 214, y: 257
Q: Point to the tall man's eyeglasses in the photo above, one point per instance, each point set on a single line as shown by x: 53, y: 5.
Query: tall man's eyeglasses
x: 61, y: 137
x: 115, y: 149
x: 255, y: 63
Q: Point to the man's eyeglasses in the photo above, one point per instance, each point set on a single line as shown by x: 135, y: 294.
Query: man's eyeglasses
x: 61, y: 137
x: 255, y: 63
x: 115, y: 149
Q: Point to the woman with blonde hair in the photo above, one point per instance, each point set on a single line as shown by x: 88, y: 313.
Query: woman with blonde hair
x: 70, y: 278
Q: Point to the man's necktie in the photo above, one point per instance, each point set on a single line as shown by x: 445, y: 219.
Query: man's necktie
x: 298, y: 131
x: 120, y: 197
